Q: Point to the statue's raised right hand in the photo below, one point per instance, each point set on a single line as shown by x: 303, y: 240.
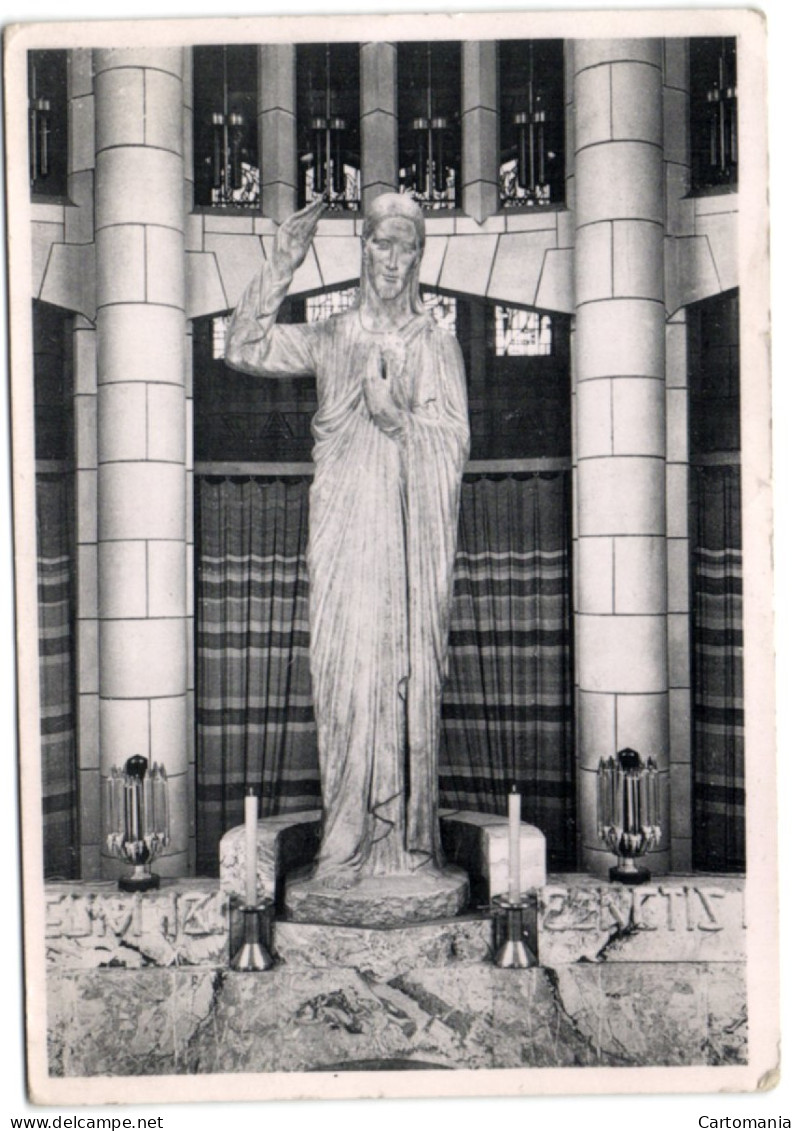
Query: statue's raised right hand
x: 294, y: 237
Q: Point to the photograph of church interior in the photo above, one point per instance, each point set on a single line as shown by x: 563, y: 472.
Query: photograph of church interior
x: 581, y: 213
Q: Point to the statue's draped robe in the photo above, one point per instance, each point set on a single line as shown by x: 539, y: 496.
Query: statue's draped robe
x: 383, y: 523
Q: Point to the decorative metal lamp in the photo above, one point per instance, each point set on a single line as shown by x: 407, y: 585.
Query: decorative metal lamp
x: 628, y: 805
x: 137, y: 819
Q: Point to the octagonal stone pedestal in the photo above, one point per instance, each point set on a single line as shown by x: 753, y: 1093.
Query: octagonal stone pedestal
x: 378, y: 901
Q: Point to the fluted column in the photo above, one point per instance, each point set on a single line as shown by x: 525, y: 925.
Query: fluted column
x: 479, y: 130
x: 378, y: 119
x: 622, y: 668
x: 142, y: 512
x: 278, y: 168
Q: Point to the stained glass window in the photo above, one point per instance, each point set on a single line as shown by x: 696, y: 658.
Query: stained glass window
x: 323, y: 306
x: 522, y: 333
x: 219, y: 331
x: 225, y: 126
x: 47, y: 122
x: 327, y: 85
x: 532, y: 157
x: 443, y: 308
x: 429, y: 83
x: 714, y: 113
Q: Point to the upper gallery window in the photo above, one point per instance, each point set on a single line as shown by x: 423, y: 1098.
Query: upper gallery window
x: 521, y: 332
x: 531, y: 129
x: 429, y: 84
x: 714, y: 113
x: 443, y: 308
x: 47, y: 122
x: 225, y: 134
x: 327, y: 97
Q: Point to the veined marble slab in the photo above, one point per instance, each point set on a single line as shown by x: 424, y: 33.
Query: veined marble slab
x: 143, y: 1022
x: 380, y: 954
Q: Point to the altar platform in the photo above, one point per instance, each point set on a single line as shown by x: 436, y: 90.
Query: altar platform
x: 141, y: 984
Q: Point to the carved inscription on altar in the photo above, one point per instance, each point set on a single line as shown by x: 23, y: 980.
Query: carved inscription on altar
x: 653, y: 922
x: 166, y: 928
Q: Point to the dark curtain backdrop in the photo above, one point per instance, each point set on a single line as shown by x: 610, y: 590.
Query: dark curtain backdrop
x: 717, y: 627
x: 56, y: 676
x: 507, y: 704
x: 255, y: 725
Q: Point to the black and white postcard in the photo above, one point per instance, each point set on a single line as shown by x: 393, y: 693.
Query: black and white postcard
x: 390, y: 417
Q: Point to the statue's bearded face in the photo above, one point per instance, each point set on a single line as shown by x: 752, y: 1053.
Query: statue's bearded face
x: 391, y: 252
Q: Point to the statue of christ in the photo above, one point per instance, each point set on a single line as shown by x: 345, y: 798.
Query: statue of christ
x: 390, y: 445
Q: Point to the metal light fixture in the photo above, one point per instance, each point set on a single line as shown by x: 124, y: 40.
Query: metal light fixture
x: 137, y: 819
x: 628, y: 804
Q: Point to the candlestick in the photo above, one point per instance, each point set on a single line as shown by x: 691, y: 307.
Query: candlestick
x: 511, y: 939
x: 251, y: 816
x: 514, y: 866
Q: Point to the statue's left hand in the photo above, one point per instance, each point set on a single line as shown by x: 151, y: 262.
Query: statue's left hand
x: 381, y: 406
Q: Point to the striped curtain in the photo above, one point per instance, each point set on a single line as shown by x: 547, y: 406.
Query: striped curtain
x: 507, y: 703
x: 255, y: 725
x: 717, y: 627
x: 56, y: 677
x: 507, y: 706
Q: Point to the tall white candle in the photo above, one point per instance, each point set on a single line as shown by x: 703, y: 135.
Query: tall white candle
x: 514, y: 818
x: 251, y: 816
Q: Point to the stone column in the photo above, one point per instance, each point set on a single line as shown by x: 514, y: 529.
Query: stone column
x: 79, y: 229
x: 480, y: 156
x: 622, y: 668
x: 189, y: 238
x: 679, y: 223
x: 84, y: 402
x: 278, y: 157
x: 378, y: 119
x: 142, y: 513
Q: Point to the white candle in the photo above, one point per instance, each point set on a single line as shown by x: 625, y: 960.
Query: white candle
x: 514, y: 868
x: 251, y: 816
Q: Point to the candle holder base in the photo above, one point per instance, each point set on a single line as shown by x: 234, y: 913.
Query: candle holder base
x: 631, y: 876
x: 142, y: 879
x: 250, y: 945
x: 510, y: 936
